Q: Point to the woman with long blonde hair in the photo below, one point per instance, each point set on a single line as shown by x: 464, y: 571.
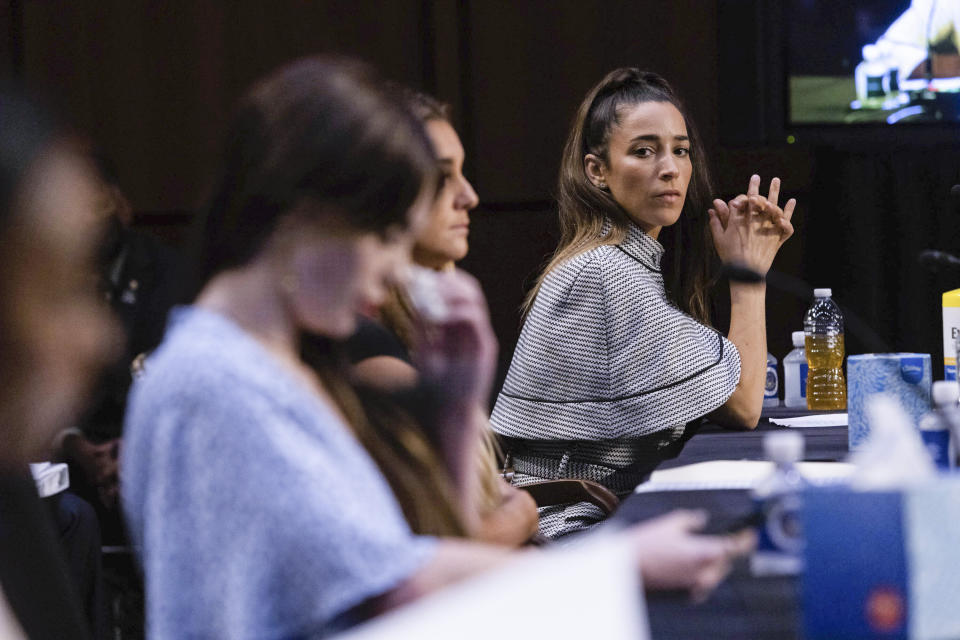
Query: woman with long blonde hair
x: 383, y: 354
x: 617, y: 354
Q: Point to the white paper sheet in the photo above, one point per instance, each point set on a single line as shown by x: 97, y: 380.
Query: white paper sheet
x: 816, y: 420
x: 737, y: 474
x: 590, y: 589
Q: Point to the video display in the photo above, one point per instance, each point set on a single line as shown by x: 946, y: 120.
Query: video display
x: 873, y: 61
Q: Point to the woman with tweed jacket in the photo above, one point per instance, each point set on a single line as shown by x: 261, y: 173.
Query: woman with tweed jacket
x: 617, y: 354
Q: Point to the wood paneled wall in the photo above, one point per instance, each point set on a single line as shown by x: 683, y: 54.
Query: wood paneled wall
x: 153, y: 83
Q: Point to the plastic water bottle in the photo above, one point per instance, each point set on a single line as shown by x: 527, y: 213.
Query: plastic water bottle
x: 939, y: 429
x: 823, y: 340
x: 795, y: 374
x: 779, y: 498
x: 771, y: 386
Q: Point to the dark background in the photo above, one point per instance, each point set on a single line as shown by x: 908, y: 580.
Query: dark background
x: 826, y: 37
x: 153, y: 84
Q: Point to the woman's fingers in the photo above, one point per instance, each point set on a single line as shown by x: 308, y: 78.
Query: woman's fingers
x: 740, y: 207
x: 780, y: 219
x: 673, y: 556
x: 740, y: 543
x: 759, y: 204
x: 789, y: 207
x: 755, y: 227
x: 707, y: 579
x: 768, y: 215
x: 786, y: 230
x: 774, y: 195
x: 457, y: 347
x: 716, y: 227
x: 759, y: 213
x: 687, y: 520
x: 722, y: 210
x: 716, y: 563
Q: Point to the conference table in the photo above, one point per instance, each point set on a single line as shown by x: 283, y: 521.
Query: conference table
x: 743, y: 606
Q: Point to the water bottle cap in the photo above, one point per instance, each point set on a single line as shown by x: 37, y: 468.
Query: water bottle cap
x: 783, y: 446
x: 798, y: 338
x: 945, y: 392
x: 932, y: 422
x: 822, y: 293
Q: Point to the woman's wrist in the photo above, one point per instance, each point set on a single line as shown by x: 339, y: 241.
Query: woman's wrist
x: 744, y: 291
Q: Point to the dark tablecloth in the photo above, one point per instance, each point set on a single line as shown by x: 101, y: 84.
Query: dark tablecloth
x: 743, y: 606
x: 713, y: 442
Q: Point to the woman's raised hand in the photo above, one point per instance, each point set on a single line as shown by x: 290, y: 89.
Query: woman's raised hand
x: 456, y: 348
x: 750, y: 229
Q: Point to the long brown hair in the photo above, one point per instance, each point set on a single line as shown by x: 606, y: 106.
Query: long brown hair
x: 398, y: 314
x: 325, y: 132
x: 396, y: 440
x: 691, y: 260
x: 322, y: 131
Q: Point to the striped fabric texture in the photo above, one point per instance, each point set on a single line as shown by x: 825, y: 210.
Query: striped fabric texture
x: 604, y: 357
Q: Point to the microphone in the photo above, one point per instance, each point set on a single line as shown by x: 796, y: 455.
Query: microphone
x: 937, y: 260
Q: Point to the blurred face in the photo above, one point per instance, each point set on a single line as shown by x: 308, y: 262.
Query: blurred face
x: 444, y: 238
x: 341, y: 273
x: 60, y: 329
x: 648, y: 166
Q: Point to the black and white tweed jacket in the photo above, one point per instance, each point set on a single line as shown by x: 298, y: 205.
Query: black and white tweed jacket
x: 604, y: 354
x: 607, y: 371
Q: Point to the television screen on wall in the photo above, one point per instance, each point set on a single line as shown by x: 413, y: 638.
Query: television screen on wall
x: 871, y: 62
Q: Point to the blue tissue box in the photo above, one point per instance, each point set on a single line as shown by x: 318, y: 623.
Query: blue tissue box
x: 882, y: 564
x: 907, y: 377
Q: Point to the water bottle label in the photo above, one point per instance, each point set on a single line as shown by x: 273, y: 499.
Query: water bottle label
x: 937, y: 443
x: 779, y: 539
x: 772, y: 383
x: 951, y: 331
x: 804, y: 367
x: 781, y: 530
x: 911, y: 369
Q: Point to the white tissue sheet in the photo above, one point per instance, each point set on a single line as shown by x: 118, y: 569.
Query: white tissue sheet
x: 892, y: 456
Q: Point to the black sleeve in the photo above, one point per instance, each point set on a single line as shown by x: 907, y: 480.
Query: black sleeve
x: 34, y: 575
x: 373, y: 339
